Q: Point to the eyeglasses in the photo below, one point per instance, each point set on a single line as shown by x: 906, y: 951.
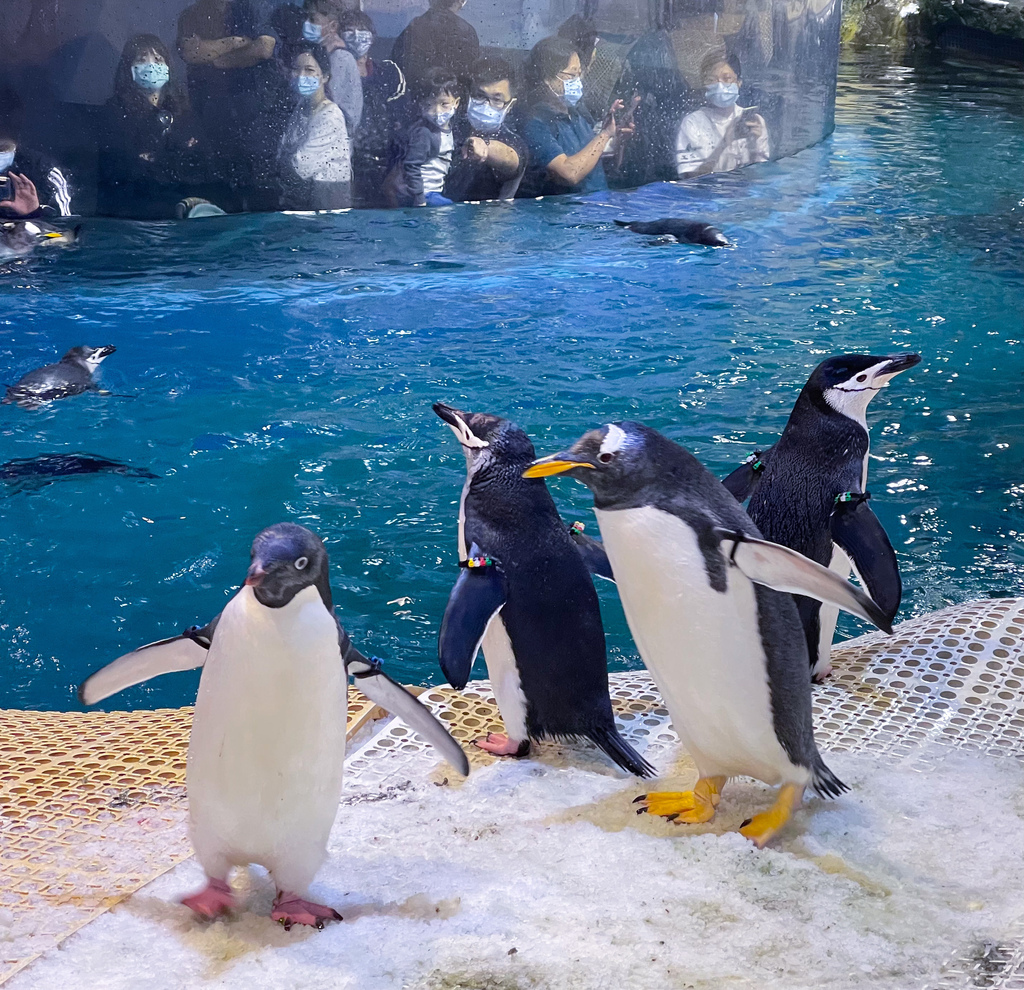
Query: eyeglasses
x: 495, y: 101
x: 568, y: 76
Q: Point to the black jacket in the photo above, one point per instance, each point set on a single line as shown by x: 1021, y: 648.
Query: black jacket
x: 437, y: 38
x: 475, y: 181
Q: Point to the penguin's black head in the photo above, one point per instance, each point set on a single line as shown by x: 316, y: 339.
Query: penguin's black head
x: 486, y: 438
x: 286, y: 559
x: 88, y: 357
x: 847, y: 383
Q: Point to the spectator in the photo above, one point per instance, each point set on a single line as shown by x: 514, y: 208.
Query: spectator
x: 565, y: 153
x: 580, y: 31
x: 149, y: 155
x: 383, y: 85
x: 425, y: 150
x: 493, y: 156
x: 345, y: 87
x: 30, y: 184
x: 720, y: 135
x: 437, y: 39
x: 315, y: 158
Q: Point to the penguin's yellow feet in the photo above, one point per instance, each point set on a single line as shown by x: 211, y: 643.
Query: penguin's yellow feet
x: 689, y: 807
x: 762, y: 827
x: 212, y: 901
x: 290, y: 909
x: 500, y: 745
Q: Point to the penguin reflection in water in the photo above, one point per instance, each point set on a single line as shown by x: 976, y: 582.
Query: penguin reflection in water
x: 705, y: 600
x: 526, y: 597
x: 267, y: 748
x: 809, y: 490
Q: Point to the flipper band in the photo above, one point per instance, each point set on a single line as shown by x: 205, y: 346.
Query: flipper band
x: 478, y: 562
x: 857, y: 497
x: 375, y: 669
x: 577, y: 527
x: 755, y: 462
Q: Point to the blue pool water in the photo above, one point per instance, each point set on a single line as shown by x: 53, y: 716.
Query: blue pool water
x: 283, y: 367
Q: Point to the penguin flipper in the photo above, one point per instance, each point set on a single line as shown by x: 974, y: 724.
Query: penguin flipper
x: 592, y: 551
x: 782, y: 569
x: 478, y: 594
x: 390, y: 695
x: 857, y: 531
x: 184, y: 652
x: 744, y: 481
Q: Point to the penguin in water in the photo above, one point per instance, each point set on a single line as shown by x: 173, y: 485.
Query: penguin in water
x: 267, y: 747
x: 71, y: 375
x: 705, y: 600
x: 19, y: 238
x: 683, y: 231
x: 809, y: 490
x: 31, y: 473
x: 525, y: 596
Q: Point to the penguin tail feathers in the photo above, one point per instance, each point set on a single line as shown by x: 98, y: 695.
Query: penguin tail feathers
x: 621, y: 752
x: 623, y: 223
x: 825, y: 783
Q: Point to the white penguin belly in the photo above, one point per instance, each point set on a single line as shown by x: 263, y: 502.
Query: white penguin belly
x: 702, y: 647
x: 268, y: 738
x: 828, y: 616
x: 504, y: 675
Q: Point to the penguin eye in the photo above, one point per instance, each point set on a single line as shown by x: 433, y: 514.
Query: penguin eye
x: 301, y: 563
x: 862, y: 378
x: 605, y: 456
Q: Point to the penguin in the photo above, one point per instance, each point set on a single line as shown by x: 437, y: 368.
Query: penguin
x: 36, y: 472
x: 705, y: 598
x: 71, y: 375
x: 526, y: 597
x: 267, y: 747
x: 19, y: 238
x: 809, y: 490
x: 684, y: 231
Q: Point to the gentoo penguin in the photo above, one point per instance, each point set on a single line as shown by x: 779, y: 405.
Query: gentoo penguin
x: 525, y: 596
x: 684, y: 231
x: 19, y: 238
x: 35, y: 472
x: 726, y: 650
x: 267, y: 747
x: 809, y: 491
x: 69, y: 376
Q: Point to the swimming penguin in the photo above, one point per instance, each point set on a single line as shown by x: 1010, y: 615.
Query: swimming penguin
x: 35, y: 472
x: 69, y: 376
x: 684, y: 231
x: 525, y: 596
x: 726, y: 650
x: 19, y: 238
x: 809, y: 491
x: 267, y: 748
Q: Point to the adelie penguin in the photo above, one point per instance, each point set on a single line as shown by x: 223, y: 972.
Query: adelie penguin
x: 526, y: 597
x: 710, y: 607
x: 267, y: 749
x: 683, y: 231
x: 809, y: 490
x: 71, y: 375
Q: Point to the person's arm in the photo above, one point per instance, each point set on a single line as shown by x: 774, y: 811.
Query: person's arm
x: 205, y: 51
x: 498, y: 155
x: 253, y: 52
x: 693, y: 155
x: 757, y: 138
x: 419, y: 152
x: 345, y: 87
x: 571, y: 170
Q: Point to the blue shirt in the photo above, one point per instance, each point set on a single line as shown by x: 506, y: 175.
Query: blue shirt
x: 551, y: 131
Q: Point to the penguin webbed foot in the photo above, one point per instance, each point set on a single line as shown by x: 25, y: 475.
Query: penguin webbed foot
x: 687, y: 807
x: 290, y: 909
x: 212, y: 901
x: 499, y: 744
x: 764, y: 826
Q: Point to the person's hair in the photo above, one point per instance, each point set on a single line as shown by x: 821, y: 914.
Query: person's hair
x: 733, y: 61
x: 583, y: 35
x: 356, y: 20
x: 128, y: 94
x: 491, y: 69
x: 549, y: 57
x: 331, y: 9
x: 437, y: 82
x: 434, y: 4
x: 311, y: 48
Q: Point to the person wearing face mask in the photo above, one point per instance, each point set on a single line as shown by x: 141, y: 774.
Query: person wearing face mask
x: 721, y: 135
x: 565, y: 152
x: 345, y: 86
x: 314, y: 161
x: 492, y: 156
x: 150, y: 155
x: 438, y: 39
x: 423, y: 153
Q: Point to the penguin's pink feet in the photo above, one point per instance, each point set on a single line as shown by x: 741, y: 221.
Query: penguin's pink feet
x: 290, y: 909
x: 500, y: 745
x: 212, y: 901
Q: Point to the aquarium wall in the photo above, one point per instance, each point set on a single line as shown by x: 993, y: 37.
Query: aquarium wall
x: 59, y: 69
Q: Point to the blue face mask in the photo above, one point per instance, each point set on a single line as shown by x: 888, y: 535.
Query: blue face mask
x: 312, y: 32
x: 572, y: 91
x: 306, y: 86
x: 6, y: 160
x: 151, y: 75
x: 485, y: 118
x: 358, y: 42
x: 722, y: 94
x: 442, y: 118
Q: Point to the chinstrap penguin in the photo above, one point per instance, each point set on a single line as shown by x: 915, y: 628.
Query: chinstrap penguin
x: 684, y: 231
x: 525, y: 596
x: 71, y: 375
x: 726, y: 650
x: 267, y: 747
x: 809, y: 490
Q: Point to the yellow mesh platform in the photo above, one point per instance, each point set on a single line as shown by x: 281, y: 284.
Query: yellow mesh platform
x: 92, y: 807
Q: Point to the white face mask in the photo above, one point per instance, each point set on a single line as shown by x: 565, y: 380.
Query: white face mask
x: 6, y: 160
x: 722, y: 94
x: 358, y: 42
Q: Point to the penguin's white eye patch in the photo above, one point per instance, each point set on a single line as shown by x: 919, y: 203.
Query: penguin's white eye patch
x: 614, y: 440
x: 301, y: 563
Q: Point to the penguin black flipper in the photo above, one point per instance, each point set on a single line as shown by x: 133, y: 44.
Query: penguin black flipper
x: 778, y: 567
x: 858, y: 533
x: 744, y: 481
x: 478, y: 594
x: 390, y: 695
x: 593, y: 553
x: 184, y: 652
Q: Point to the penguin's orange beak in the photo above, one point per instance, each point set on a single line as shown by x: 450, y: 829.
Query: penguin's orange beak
x: 256, y: 574
x: 559, y: 463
